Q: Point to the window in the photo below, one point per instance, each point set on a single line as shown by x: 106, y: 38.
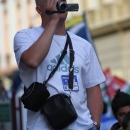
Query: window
x: 92, y: 4
x: 107, y: 1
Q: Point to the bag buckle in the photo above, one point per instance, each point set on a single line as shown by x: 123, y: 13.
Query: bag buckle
x: 70, y: 92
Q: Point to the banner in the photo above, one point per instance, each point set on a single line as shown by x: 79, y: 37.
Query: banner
x: 78, y: 26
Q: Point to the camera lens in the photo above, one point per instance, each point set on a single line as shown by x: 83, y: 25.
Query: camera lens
x: 63, y: 7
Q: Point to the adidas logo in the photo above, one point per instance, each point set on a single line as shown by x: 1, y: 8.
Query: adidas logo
x: 66, y: 60
x: 64, y: 65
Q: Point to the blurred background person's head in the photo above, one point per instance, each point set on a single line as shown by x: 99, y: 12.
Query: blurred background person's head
x: 120, y: 105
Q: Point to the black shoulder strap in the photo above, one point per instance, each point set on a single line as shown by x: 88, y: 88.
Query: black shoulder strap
x: 71, y: 70
x: 68, y: 42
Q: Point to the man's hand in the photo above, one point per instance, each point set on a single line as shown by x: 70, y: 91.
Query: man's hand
x: 51, y: 6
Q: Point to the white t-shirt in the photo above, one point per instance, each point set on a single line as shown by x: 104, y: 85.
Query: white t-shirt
x: 87, y: 73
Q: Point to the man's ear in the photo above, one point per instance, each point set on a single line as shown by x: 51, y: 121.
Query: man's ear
x: 38, y: 9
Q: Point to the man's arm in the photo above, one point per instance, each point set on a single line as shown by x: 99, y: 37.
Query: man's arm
x: 35, y: 54
x: 95, y: 103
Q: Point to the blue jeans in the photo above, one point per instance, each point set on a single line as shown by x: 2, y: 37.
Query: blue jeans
x: 93, y: 128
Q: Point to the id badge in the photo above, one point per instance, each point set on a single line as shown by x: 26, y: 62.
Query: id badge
x: 65, y: 82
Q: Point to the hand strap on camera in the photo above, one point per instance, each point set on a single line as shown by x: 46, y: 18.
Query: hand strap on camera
x: 71, y: 68
x: 53, y: 12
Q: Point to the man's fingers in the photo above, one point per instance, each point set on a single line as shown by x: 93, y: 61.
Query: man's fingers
x: 51, y: 5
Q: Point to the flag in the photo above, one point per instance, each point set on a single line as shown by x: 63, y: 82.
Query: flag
x: 110, y: 86
x: 118, y: 83
x: 78, y: 26
x: 105, y: 94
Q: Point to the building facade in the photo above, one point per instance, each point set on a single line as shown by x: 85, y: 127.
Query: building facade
x: 15, y: 15
x: 109, y: 22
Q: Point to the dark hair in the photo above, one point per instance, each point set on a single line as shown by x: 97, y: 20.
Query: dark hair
x: 121, y: 99
x: 126, y: 120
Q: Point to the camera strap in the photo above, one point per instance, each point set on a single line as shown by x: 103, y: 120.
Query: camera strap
x: 71, y: 67
x: 53, y: 12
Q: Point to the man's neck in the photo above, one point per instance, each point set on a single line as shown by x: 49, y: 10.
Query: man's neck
x: 60, y: 30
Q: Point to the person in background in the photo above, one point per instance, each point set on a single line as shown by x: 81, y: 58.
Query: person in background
x: 126, y: 122
x: 3, y: 92
x: 120, y: 106
x: 37, y: 50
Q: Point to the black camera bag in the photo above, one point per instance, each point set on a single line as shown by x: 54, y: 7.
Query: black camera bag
x: 59, y: 111
x: 35, y: 96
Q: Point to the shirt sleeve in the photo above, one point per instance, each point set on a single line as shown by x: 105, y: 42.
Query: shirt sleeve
x: 94, y: 73
x: 22, y: 41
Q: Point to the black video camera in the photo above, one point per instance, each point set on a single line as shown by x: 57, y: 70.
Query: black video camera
x: 63, y: 7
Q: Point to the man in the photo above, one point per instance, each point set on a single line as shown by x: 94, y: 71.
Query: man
x: 37, y: 50
x: 120, y: 107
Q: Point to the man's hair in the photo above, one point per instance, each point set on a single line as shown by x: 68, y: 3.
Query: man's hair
x: 37, y: 2
x: 121, y: 99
